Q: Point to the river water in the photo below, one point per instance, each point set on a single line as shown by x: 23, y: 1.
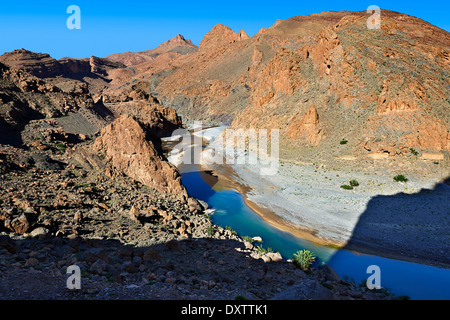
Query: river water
x: 418, y: 281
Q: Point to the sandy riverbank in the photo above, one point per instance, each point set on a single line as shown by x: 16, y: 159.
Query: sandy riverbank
x: 222, y: 179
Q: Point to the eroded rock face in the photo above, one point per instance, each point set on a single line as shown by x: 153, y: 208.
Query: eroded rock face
x: 129, y: 151
x: 38, y: 64
x: 307, y: 129
x: 403, y: 120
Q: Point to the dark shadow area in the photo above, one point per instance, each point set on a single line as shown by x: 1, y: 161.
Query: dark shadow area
x: 35, y: 268
x: 413, y: 227
x: 81, y: 76
x: 22, y: 114
x: 11, y: 136
x: 103, y: 111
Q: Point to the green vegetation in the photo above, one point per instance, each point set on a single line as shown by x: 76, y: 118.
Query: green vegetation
x: 413, y: 151
x: 210, y: 230
x: 62, y: 147
x: 304, y: 259
x: 262, y: 250
x: 346, y: 187
x: 343, y: 141
x: 240, y: 297
x: 233, y: 232
x: 400, y: 178
x: 83, y: 185
x: 248, y: 239
x: 354, y: 183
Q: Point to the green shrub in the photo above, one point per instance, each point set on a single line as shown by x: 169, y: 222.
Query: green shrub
x: 400, y: 178
x: 233, y: 232
x: 61, y: 146
x: 413, y: 151
x: 260, y: 249
x: 343, y: 141
x: 240, y: 297
x: 346, y: 187
x: 354, y: 183
x: 304, y: 259
x: 210, y: 230
x: 248, y: 239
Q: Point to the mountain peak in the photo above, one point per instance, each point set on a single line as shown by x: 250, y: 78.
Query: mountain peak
x: 179, y: 40
x: 221, y: 35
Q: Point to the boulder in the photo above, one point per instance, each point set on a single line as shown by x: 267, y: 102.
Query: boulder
x: 130, y: 151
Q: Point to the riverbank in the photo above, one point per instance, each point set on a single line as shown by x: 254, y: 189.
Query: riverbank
x: 225, y: 178
x: 403, y: 221
x: 398, y: 220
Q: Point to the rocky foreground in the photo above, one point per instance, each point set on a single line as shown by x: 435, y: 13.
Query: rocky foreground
x: 133, y: 242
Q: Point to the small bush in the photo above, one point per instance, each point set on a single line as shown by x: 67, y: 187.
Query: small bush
x: 248, y: 239
x: 354, y: 183
x: 346, y: 187
x: 210, y: 230
x: 400, y: 178
x: 413, y: 151
x: 61, y: 146
x: 304, y: 259
x: 261, y: 250
x: 343, y: 141
x: 240, y: 297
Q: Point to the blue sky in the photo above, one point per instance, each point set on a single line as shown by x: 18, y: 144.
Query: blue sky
x: 117, y: 26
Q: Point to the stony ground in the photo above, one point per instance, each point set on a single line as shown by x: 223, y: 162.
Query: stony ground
x: 131, y: 242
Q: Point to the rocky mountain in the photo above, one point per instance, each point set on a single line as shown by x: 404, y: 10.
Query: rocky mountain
x: 177, y: 44
x: 42, y: 65
x: 93, y: 71
x: 36, y: 114
x: 322, y: 79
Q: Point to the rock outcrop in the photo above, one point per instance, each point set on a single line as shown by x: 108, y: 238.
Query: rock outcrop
x: 24, y: 97
x: 129, y: 150
x: 38, y: 64
x: 306, y: 129
x: 220, y: 35
x: 42, y: 65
